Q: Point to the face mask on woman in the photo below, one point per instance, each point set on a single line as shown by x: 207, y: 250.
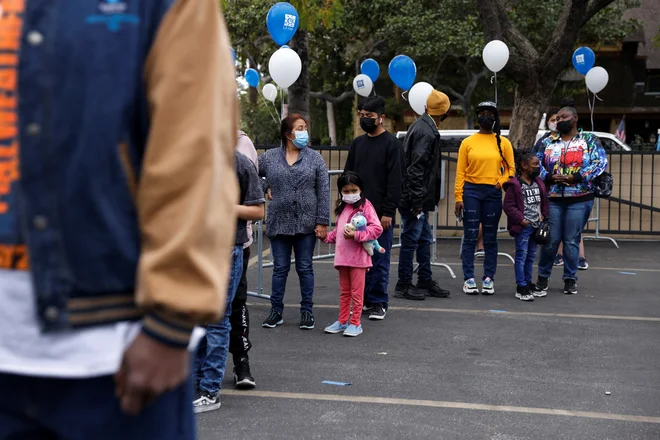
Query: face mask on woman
x: 301, y: 140
x: 535, y: 172
x: 351, y: 198
x: 552, y: 126
x: 486, y: 122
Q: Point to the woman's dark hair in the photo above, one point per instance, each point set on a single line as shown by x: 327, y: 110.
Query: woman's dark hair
x: 287, y: 125
x: 521, y: 157
x: 348, y: 178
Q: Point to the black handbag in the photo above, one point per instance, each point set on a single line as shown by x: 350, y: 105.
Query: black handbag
x: 603, y: 185
x: 542, y: 235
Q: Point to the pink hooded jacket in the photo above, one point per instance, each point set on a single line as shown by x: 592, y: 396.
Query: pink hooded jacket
x: 246, y: 147
x: 350, y: 253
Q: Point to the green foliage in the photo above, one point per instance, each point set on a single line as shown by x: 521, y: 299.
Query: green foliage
x: 257, y: 120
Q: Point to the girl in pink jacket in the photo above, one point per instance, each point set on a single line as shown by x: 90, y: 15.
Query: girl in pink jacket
x: 351, y: 259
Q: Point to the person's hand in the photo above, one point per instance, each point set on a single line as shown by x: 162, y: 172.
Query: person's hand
x: 558, y: 178
x: 498, y: 186
x: 569, y: 179
x: 525, y: 223
x: 349, y: 234
x: 269, y: 194
x: 458, y: 209
x: 321, y: 231
x: 386, y: 222
x: 149, y: 368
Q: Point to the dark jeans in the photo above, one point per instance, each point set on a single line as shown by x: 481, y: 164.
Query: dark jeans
x: 482, y: 205
x: 211, y: 358
x: 35, y: 408
x: 525, y: 255
x: 566, y: 223
x: 375, y: 290
x: 239, y: 335
x: 303, y: 246
x: 416, y: 238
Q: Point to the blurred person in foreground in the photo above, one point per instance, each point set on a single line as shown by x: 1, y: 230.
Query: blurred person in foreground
x: 116, y: 212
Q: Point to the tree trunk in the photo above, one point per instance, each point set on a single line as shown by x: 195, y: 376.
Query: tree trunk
x: 332, y: 126
x: 531, y: 100
x: 253, y: 95
x: 299, y: 91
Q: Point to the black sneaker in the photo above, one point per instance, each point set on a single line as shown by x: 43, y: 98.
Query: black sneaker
x: 366, y: 308
x: 242, y: 377
x: 570, y: 287
x: 408, y: 291
x: 541, y: 287
x: 431, y: 288
x: 206, y: 401
x: 306, y: 321
x: 273, y: 320
x: 377, y: 313
x: 583, y: 264
x: 523, y: 293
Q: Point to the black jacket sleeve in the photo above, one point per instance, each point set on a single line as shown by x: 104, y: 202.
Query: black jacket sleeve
x: 350, y: 160
x: 394, y: 171
x: 420, y: 157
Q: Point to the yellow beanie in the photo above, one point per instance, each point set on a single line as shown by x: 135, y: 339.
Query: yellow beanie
x: 437, y: 104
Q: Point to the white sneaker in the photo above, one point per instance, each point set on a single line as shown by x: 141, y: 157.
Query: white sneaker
x: 470, y: 287
x: 488, y: 287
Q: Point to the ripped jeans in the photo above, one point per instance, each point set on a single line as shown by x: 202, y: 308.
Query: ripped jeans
x: 482, y: 205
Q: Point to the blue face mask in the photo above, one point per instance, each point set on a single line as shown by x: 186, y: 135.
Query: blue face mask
x: 302, y: 139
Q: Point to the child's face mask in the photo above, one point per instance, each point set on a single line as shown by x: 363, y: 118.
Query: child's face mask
x: 351, y: 198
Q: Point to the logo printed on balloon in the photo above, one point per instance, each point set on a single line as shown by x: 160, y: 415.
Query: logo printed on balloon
x: 289, y: 22
x: 583, y: 59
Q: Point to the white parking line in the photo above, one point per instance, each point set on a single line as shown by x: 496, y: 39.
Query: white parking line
x: 443, y: 404
x: 488, y: 312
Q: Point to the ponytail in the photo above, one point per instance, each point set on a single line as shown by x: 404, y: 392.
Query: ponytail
x: 497, y: 130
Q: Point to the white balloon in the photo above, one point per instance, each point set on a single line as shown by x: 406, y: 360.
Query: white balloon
x: 270, y: 92
x: 496, y: 55
x: 418, y: 95
x: 597, y: 78
x: 363, y: 85
x: 284, y: 67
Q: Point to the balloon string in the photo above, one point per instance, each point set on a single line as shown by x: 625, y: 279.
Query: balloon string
x: 268, y: 108
x: 403, y: 95
x: 593, y: 107
x: 493, y: 80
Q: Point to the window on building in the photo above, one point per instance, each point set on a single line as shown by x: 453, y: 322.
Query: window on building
x: 653, y: 83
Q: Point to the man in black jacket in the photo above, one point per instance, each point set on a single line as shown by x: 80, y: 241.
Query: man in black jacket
x: 376, y: 157
x: 421, y: 194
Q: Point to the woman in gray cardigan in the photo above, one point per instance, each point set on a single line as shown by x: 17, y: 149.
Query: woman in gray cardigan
x: 298, y: 213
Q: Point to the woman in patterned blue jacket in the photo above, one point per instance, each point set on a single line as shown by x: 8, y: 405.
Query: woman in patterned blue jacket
x: 570, y: 161
x: 298, y: 212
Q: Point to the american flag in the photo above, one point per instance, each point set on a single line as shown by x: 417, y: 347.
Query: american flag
x: 621, y: 131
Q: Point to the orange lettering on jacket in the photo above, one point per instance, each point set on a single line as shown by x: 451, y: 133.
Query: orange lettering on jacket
x: 11, y: 26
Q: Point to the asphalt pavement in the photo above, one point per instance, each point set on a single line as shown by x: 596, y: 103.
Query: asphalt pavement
x: 562, y: 367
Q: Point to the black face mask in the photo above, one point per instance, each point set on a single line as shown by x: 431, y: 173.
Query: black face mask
x: 564, y: 127
x: 535, y: 172
x: 368, y: 124
x: 486, y: 122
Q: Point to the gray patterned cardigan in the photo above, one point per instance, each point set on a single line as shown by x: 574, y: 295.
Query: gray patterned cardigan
x: 301, y: 192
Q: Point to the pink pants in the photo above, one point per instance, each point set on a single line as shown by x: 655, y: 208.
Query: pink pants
x: 351, y: 285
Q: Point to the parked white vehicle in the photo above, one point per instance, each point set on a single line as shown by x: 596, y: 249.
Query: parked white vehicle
x: 451, y: 139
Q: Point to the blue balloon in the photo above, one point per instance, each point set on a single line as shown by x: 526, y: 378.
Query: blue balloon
x: 252, y: 77
x: 233, y: 53
x: 370, y: 68
x: 584, y: 59
x: 403, y: 71
x: 282, y: 21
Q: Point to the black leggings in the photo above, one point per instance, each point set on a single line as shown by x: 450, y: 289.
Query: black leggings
x: 239, y: 342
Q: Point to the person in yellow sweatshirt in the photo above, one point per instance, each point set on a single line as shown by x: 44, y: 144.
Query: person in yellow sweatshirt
x: 485, y: 163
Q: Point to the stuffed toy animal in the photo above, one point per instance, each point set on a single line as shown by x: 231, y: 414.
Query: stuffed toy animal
x: 359, y: 223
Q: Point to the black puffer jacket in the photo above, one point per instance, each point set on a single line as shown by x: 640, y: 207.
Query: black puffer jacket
x: 421, y: 176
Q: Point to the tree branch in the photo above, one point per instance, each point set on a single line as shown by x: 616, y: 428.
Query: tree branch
x: 564, y: 37
x: 333, y: 99
x: 451, y: 91
x: 595, y: 6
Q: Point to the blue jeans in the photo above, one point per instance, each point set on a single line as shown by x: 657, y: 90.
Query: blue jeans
x: 303, y: 246
x: 375, y: 289
x: 566, y: 223
x: 416, y: 237
x: 525, y: 255
x: 88, y: 409
x: 482, y: 206
x: 211, y: 358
